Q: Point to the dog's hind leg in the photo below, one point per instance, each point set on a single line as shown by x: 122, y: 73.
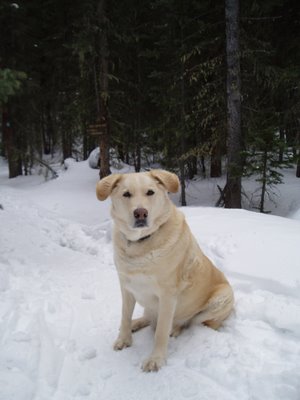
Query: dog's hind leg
x: 218, y: 307
x: 139, y: 323
x: 176, y: 331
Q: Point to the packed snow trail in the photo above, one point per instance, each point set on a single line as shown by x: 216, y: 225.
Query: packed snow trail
x: 60, y: 309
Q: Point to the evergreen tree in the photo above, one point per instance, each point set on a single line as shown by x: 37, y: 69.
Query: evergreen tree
x: 234, y: 148
x: 263, y: 162
x: 152, y: 75
x: 270, y: 94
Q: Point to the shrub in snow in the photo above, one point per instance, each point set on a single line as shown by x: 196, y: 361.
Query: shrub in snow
x: 118, y: 164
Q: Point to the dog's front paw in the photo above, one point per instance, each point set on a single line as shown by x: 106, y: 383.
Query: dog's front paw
x: 122, y: 342
x: 153, y: 363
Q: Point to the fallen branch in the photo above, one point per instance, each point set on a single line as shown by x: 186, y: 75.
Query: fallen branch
x: 44, y: 164
x: 221, y: 201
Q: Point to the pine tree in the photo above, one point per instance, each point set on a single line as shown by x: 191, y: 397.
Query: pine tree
x: 263, y: 162
x: 270, y: 94
x: 234, y: 147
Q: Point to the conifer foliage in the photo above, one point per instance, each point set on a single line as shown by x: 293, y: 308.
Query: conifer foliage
x: 195, y: 86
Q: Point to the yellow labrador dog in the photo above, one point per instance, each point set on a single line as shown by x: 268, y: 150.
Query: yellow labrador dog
x: 159, y: 262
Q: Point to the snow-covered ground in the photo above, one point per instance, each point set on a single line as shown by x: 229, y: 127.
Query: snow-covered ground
x: 60, y: 301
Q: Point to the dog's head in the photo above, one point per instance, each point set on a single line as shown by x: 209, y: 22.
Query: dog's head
x: 140, y: 202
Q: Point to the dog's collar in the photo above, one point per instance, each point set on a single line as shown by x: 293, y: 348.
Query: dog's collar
x: 142, y: 239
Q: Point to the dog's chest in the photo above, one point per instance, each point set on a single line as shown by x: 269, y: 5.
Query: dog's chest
x: 145, y: 273
x: 144, y: 288
x: 141, y: 277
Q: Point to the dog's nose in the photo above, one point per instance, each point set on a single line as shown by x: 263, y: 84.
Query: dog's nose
x: 140, y: 214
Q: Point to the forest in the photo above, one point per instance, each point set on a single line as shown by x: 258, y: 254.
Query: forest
x: 197, y: 87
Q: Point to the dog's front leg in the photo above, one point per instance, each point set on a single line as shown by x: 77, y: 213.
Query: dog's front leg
x: 157, y: 359
x: 125, y: 336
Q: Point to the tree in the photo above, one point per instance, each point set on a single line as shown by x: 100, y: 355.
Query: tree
x: 234, y: 139
x: 262, y: 159
x: 153, y: 76
x: 103, y: 110
x: 270, y: 90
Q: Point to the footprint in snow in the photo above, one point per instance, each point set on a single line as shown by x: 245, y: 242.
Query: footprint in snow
x: 87, y: 353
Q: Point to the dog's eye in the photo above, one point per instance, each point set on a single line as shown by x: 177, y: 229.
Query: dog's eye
x: 127, y: 194
x: 150, y: 193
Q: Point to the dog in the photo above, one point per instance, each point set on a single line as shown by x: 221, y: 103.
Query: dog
x: 159, y: 262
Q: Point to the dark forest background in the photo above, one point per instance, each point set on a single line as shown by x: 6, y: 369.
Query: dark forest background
x: 186, y: 84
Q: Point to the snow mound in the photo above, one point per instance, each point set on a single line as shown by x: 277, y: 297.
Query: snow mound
x: 94, y: 158
x: 296, y: 215
x: 60, y: 304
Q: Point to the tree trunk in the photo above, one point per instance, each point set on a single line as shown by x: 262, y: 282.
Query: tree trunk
x: 264, y: 182
x: 168, y: 140
x: 298, y: 166
x: 137, y: 155
x: 182, y: 138
x: 203, y: 168
x: 234, y: 139
x: 12, y: 153
x: 138, y: 133
x: 66, y: 144
x: 85, y: 144
x: 120, y: 150
x: 192, y: 167
x: 103, y: 100
x: 281, y: 148
x: 216, y: 162
x: 47, y: 130
x: 298, y: 156
x: 182, y: 183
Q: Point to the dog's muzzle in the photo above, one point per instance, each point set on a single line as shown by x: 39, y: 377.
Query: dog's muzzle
x: 140, y: 216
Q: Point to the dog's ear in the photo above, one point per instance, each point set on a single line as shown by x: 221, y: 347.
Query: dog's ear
x: 169, y: 180
x: 106, y: 186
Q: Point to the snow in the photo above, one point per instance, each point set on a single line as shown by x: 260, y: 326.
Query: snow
x: 60, y: 302
x: 296, y: 215
x: 283, y: 199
